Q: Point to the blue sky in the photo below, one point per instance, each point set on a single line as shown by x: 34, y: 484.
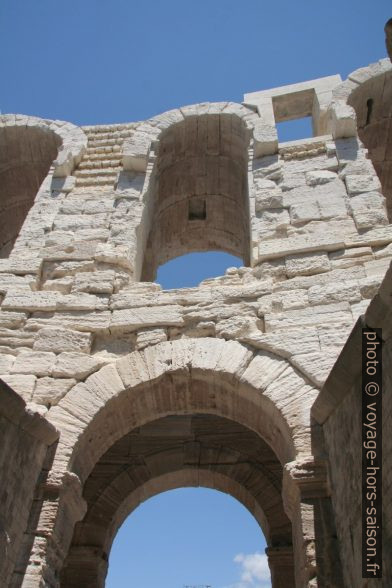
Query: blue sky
x: 94, y: 61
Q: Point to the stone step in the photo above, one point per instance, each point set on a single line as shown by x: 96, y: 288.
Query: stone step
x: 93, y: 130
x: 100, y: 164
x: 105, y: 142
x: 78, y: 173
x: 99, y: 150
x: 103, y: 156
x: 90, y: 182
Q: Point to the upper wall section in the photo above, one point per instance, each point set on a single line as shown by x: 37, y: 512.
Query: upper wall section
x: 28, y: 148
x: 311, y: 98
x: 369, y: 92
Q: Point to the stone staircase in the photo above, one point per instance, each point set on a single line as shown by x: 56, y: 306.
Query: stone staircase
x: 101, y: 162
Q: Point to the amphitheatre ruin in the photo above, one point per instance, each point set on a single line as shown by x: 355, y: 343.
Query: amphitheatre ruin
x: 114, y: 390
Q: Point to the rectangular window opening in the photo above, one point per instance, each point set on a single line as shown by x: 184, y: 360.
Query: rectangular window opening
x: 197, y: 209
x: 293, y: 130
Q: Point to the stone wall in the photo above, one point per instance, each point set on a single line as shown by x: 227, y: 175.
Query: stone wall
x: 87, y: 342
x: 24, y: 440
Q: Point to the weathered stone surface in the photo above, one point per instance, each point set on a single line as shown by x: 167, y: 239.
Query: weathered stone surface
x: 146, y: 337
x: 49, y: 391
x: 22, y: 384
x: 133, y: 319
x: 98, y: 282
x: 76, y: 365
x: 305, y: 265
x: 59, y: 340
x: 34, y: 362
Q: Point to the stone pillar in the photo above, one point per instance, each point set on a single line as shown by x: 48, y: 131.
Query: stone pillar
x: 281, y: 565
x: 60, y: 506
x: 88, y: 567
x: 306, y: 498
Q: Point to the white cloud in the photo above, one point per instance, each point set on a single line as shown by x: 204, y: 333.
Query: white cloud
x: 254, y: 571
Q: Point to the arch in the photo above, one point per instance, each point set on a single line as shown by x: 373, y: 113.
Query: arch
x: 29, y: 146
x: 367, y: 93
x: 170, y: 453
x: 214, y: 377
x: 205, y: 375
x: 195, y: 161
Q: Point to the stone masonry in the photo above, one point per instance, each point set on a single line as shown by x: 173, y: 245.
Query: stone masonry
x: 114, y: 390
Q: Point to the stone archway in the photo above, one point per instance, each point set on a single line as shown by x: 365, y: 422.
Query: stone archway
x: 197, y: 450
x: 212, y: 378
x: 29, y: 147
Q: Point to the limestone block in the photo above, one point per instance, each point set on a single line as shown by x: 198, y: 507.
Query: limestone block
x: 362, y: 183
x: 345, y: 258
x: 67, y: 268
x: 98, y: 282
x: 202, y: 329
x: 267, y: 194
x: 95, y: 322
x: 71, y: 222
x: 238, y: 326
x: 132, y: 319
x: 304, y: 212
x: 268, y: 167
x: 12, y: 282
x: 31, y: 301
x: 368, y: 210
x: 146, y: 337
x: 21, y: 266
x: 343, y: 120
x: 307, y: 264
x: 81, y: 301
x: 21, y: 384
x: 49, y: 391
x: 61, y: 285
x: 6, y: 362
x: 311, y: 163
x: 289, y: 300
x: 286, y: 344
x: 378, y: 267
x: 336, y: 292
x: 383, y: 252
x: 65, y: 184
x: 317, y: 177
x: 262, y: 370
x: 76, y: 365
x: 39, y: 363
x: 12, y: 320
x: 265, y: 138
x: 314, y: 315
x: 117, y: 255
x: 15, y: 338
x: 59, y: 340
x: 77, y: 251
x: 333, y: 335
x: 275, y: 219
x: 316, y: 366
x: 292, y: 179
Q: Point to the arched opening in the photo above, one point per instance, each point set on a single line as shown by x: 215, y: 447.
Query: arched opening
x: 189, y: 536
x: 198, y: 199
x: 172, y: 452
x: 372, y: 104
x: 26, y: 154
x: 187, y: 271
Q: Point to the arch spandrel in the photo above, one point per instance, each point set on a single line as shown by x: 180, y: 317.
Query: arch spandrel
x: 183, y: 377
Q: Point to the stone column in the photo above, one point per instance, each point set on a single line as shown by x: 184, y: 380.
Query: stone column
x: 281, y: 565
x: 306, y: 498
x: 60, y: 506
